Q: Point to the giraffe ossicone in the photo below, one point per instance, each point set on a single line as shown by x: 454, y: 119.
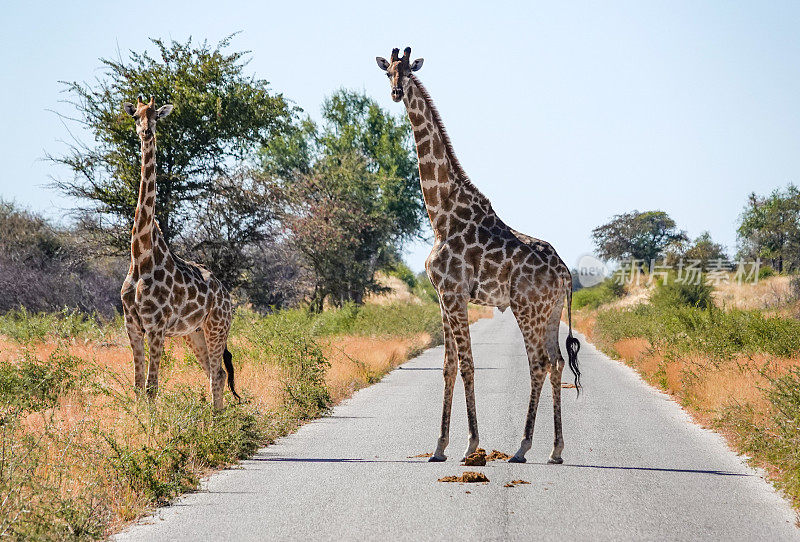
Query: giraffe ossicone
x: 164, y: 295
x: 477, y: 258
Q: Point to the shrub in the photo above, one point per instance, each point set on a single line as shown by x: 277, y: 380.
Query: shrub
x: 684, y: 328
x: 24, y: 326
x: 425, y: 290
x: 45, y: 268
x: 594, y: 296
x: 673, y: 293
x: 775, y: 439
x: 400, y: 270
x: 765, y: 272
x: 34, y: 385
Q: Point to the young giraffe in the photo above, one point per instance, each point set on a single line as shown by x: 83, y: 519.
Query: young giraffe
x: 477, y: 258
x: 165, y: 296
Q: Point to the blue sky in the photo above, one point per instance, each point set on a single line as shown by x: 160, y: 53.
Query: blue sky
x: 564, y: 114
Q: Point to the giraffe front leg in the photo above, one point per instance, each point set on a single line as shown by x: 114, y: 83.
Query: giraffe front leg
x: 136, y: 338
x: 459, y: 325
x: 449, y: 372
x: 155, y: 340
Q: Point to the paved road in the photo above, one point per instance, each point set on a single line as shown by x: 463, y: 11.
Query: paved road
x: 635, y: 467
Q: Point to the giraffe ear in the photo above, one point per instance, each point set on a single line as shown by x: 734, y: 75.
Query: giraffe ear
x: 163, y: 111
x: 382, y: 62
x: 417, y: 64
x: 129, y: 108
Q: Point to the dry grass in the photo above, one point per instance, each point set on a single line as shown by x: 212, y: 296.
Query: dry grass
x: 107, y: 487
x: 357, y: 362
x: 727, y: 375
x: 768, y: 293
x: 398, y: 291
x: 705, y: 384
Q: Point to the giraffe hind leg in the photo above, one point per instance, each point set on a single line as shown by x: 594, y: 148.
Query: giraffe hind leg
x: 556, y: 368
x: 538, y: 361
x: 197, y: 342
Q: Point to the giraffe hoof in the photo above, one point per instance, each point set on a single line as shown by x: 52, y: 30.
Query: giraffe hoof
x: 437, y: 459
x: 516, y: 459
x: 555, y: 461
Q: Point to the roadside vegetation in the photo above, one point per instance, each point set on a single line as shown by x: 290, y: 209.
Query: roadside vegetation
x: 736, y: 369
x: 303, y: 221
x: 721, y: 336
x: 82, y: 454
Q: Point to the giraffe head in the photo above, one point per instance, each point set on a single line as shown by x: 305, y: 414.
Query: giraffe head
x: 146, y: 116
x: 398, y: 69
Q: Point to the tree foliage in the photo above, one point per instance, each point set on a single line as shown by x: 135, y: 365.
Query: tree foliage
x: 276, y: 206
x: 705, y: 250
x: 221, y: 117
x: 637, y: 235
x: 44, y: 268
x: 769, y: 229
x: 350, y: 187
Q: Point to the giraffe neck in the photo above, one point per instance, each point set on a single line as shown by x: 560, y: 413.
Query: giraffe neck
x: 440, y: 173
x: 144, y: 220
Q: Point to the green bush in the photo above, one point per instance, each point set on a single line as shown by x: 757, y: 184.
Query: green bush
x: 425, y: 290
x: 684, y: 328
x: 186, y: 435
x: 777, y: 439
x: 403, y: 319
x: 765, y: 272
x: 403, y: 272
x: 597, y: 295
x: 34, y: 385
x: 673, y: 293
x: 24, y: 326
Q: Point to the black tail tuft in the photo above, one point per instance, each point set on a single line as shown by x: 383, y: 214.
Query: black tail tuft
x: 573, y: 347
x: 227, y: 359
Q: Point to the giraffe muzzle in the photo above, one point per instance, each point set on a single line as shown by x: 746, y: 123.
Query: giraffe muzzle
x: 397, y: 94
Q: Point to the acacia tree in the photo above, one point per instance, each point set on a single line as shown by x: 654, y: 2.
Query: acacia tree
x: 221, y: 117
x: 770, y: 228
x: 337, y: 222
x: 638, y: 235
x: 705, y: 250
x: 350, y: 187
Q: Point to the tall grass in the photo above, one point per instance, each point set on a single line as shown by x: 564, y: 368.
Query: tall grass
x: 773, y: 439
x: 684, y: 329
x: 396, y: 319
x: 738, y: 369
x: 24, y: 326
x: 81, y: 453
x: 597, y: 295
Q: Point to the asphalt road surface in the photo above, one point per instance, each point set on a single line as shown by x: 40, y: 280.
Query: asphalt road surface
x: 635, y: 467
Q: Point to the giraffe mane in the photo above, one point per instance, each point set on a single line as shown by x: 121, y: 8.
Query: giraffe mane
x: 461, y: 176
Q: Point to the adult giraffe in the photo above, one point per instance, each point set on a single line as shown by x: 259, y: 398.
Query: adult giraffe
x: 477, y: 258
x: 165, y: 296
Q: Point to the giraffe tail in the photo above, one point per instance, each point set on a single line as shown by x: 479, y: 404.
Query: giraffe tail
x: 227, y: 358
x: 573, y: 346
